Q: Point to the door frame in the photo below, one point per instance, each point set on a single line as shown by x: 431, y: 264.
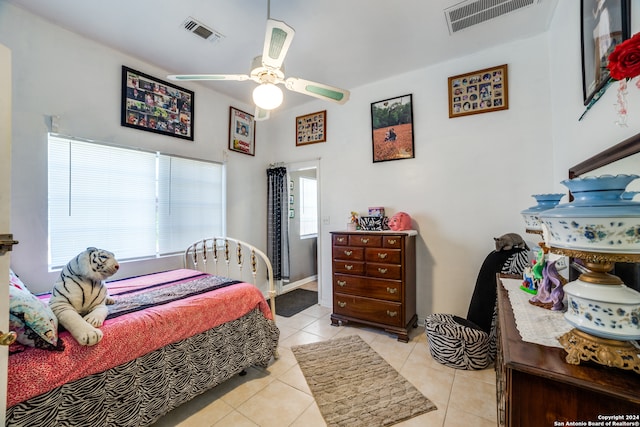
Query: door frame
x: 313, y: 164
x: 5, y: 214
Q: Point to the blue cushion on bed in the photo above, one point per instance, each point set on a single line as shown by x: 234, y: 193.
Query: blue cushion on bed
x: 31, y: 319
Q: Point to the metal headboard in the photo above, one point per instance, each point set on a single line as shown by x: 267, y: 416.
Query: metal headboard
x: 232, y: 258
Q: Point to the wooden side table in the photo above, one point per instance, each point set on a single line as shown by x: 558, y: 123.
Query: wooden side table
x: 536, y: 387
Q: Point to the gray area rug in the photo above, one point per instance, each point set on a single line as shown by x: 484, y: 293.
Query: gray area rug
x: 354, y: 386
x: 293, y: 302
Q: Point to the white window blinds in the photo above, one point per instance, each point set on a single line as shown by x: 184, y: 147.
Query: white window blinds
x: 308, y: 207
x: 134, y: 203
x: 190, y: 202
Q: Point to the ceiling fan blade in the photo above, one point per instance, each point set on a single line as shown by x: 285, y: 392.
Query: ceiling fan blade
x: 276, y: 43
x: 189, y: 77
x: 261, y: 114
x: 319, y: 90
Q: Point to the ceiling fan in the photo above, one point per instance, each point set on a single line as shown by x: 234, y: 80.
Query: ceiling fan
x: 268, y: 70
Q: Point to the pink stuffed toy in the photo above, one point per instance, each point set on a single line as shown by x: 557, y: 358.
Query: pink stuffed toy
x: 400, y: 221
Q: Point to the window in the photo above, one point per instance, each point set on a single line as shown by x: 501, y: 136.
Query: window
x: 134, y: 203
x: 308, y: 207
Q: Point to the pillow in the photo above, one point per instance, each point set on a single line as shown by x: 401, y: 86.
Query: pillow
x: 31, y: 319
x: 15, y: 280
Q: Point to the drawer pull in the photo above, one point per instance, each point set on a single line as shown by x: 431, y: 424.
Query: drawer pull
x: 348, y: 253
x: 392, y: 241
x: 389, y: 313
x: 382, y: 270
x: 348, y: 267
x: 382, y: 255
x: 344, y: 283
x: 392, y: 290
x: 341, y: 239
x: 344, y: 304
x: 364, y: 240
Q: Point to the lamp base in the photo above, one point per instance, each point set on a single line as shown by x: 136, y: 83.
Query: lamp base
x: 580, y: 346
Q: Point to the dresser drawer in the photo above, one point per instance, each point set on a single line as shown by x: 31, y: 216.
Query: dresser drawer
x: 392, y: 242
x: 340, y: 239
x: 348, y: 253
x: 383, y: 255
x: 390, y: 290
x: 365, y: 240
x: 386, y: 312
x: 349, y: 267
x: 384, y: 271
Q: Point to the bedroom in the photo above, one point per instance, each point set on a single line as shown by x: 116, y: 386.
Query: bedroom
x: 467, y: 184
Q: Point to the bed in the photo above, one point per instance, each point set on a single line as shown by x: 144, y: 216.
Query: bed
x: 212, y: 322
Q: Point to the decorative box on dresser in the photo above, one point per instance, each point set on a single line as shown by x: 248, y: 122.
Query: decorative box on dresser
x: 536, y: 387
x: 374, y: 279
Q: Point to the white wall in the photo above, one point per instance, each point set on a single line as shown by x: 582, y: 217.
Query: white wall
x: 575, y: 141
x: 467, y: 184
x: 471, y: 175
x: 59, y: 73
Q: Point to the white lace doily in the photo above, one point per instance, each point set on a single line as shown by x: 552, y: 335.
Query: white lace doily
x: 536, y: 324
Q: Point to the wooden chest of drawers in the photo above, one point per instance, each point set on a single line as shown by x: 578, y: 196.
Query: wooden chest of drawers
x: 374, y: 280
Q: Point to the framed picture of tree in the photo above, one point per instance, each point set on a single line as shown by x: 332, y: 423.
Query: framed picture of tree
x: 392, y: 129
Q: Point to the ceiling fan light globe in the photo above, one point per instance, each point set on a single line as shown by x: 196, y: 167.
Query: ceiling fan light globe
x: 267, y: 96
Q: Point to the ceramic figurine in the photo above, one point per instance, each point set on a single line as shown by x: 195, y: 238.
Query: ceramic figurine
x: 509, y: 241
x: 528, y: 283
x: 400, y: 221
x: 550, y: 293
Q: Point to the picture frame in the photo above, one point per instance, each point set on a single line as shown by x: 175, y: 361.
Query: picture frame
x: 242, y: 132
x: 392, y: 129
x: 311, y: 128
x: 480, y: 91
x: 603, y: 25
x: 157, y: 106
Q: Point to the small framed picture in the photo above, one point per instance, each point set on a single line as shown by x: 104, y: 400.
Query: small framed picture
x: 392, y: 129
x: 311, y: 128
x: 478, y: 92
x: 242, y: 132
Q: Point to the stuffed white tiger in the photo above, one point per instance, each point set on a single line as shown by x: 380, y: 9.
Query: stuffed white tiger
x: 79, y: 298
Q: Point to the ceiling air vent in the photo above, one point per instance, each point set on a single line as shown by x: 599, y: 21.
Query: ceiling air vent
x: 202, y: 30
x: 472, y: 12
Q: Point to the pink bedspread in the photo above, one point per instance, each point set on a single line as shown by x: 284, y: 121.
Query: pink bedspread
x: 132, y: 335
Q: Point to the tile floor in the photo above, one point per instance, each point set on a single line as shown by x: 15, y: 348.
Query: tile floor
x: 279, y: 396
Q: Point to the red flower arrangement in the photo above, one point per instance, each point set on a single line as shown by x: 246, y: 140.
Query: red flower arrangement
x: 624, y: 61
x: 624, y: 65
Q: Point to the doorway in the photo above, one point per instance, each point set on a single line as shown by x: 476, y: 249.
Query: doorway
x: 304, y: 226
x: 5, y: 213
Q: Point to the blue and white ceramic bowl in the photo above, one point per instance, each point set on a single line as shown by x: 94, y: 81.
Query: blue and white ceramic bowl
x: 598, y: 220
x: 531, y: 215
x: 607, y: 311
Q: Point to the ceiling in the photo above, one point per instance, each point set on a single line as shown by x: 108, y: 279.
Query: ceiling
x: 343, y: 43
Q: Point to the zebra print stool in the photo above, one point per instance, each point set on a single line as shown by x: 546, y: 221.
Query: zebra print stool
x: 471, y: 343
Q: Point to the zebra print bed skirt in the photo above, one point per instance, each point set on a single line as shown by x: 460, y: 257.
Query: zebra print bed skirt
x: 139, y: 392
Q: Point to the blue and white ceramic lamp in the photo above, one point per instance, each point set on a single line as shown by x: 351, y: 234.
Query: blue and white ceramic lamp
x: 600, y: 227
x: 531, y: 215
